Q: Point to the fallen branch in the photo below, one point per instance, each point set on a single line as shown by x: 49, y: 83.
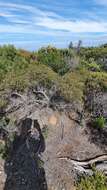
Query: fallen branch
x: 90, y: 161
x: 86, y: 165
x: 15, y: 94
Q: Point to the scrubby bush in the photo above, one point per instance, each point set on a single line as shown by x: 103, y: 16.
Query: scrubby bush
x: 99, y: 122
x: 20, y: 69
x: 93, y: 52
x: 98, y: 54
x: 53, y: 58
x: 98, y: 181
x: 8, y: 52
x: 30, y: 76
x: 95, y: 81
x: 72, y: 86
x: 91, y: 65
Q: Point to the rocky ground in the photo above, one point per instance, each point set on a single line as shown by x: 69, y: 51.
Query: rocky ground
x: 65, y: 141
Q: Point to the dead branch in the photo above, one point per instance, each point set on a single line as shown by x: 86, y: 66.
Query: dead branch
x: 17, y: 95
x: 86, y: 165
x: 43, y: 94
x: 14, y: 108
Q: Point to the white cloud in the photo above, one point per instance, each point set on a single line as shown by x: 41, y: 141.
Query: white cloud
x: 33, y: 10
x: 101, y: 2
x: 37, y: 21
x: 6, y: 15
x: 29, y: 18
x: 19, y: 29
x: 73, y: 26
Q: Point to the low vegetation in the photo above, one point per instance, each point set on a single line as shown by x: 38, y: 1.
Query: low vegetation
x: 68, y: 69
x: 98, y: 181
x: 99, y: 122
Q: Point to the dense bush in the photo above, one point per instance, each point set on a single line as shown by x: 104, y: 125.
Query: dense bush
x: 29, y: 76
x: 8, y: 52
x: 91, y: 65
x: 53, y: 58
x: 20, y: 69
x: 72, y: 86
x: 98, y: 79
x: 93, y: 52
x: 98, y: 54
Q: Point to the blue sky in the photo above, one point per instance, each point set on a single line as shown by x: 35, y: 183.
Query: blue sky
x: 31, y: 24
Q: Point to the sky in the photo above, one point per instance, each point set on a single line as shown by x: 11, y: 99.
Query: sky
x: 31, y: 24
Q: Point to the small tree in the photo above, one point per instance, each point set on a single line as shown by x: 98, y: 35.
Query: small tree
x: 71, y: 45
x: 79, y: 46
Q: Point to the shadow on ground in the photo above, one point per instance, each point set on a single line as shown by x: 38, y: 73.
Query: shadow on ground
x: 24, y: 167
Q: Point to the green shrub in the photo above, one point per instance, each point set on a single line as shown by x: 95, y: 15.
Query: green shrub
x: 99, y: 122
x: 8, y: 51
x: 53, y: 58
x: 20, y: 70
x: 90, y: 64
x: 72, y: 86
x: 30, y: 76
x: 98, y: 181
x: 97, y: 79
x: 93, y: 66
x: 93, y: 52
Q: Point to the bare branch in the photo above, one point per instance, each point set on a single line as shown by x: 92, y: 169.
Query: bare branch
x: 15, y: 94
x: 42, y: 93
x: 84, y: 165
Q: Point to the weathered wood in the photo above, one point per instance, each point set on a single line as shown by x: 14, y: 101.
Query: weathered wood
x: 43, y: 94
x: 85, y: 166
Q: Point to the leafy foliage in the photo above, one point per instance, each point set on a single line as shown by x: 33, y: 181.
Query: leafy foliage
x: 29, y: 76
x: 99, y: 122
x: 20, y: 69
x: 98, y: 79
x: 53, y: 58
x: 72, y: 86
x: 91, y: 65
x: 98, y: 54
x: 96, y: 182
